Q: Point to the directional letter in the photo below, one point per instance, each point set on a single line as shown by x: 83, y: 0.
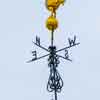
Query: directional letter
x: 34, y: 55
x: 72, y: 42
x: 66, y: 54
x: 37, y: 40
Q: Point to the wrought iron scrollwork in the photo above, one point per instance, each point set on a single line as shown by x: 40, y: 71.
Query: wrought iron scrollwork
x: 55, y: 82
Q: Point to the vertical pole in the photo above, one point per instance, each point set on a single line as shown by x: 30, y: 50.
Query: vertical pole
x: 52, y: 37
x: 55, y: 95
x: 55, y: 91
x: 52, y: 40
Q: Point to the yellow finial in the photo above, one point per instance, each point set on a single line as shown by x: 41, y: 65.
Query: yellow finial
x: 51, y: 23
x: 53, y: 5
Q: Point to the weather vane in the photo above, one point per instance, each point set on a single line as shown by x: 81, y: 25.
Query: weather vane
x: 55, y: 82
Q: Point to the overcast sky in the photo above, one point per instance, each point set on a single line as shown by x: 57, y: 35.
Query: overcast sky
x: 21, y: 21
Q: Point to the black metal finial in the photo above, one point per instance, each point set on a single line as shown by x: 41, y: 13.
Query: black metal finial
x: 55, y: 82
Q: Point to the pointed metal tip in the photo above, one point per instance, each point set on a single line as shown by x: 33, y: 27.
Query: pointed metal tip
x: 29, y: 61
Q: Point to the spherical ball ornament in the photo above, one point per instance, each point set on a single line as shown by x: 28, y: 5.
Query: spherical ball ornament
x: 51, y: 23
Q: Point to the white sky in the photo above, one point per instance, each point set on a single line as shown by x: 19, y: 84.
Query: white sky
x: 21, y: 21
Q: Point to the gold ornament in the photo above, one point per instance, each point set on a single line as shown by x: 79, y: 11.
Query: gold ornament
x: 52, y: 5
x: 51, y: 23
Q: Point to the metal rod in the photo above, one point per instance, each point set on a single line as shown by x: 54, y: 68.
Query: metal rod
x: 64, y: 57
x: 55, y: 95
x: 38, y: 58
x: 41, y: 47
x: 52, y: 37
x: 55, y: 91
x: 68, y: 47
